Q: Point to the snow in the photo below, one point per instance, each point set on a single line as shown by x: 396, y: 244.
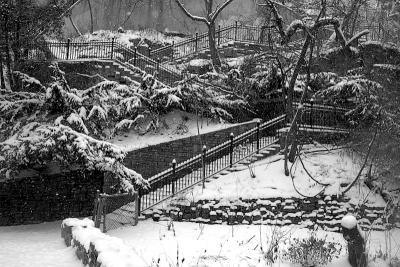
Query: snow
x: 349, y: 222
x: 330, y: 167
x: 35, y: 245
x: 222, y: 245
x: 178, y: 125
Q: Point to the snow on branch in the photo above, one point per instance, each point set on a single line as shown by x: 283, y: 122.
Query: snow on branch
x: 46, y: 143
x: 215, y: 14
x: 193, y: 17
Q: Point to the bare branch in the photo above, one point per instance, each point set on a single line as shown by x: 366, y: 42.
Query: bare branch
x: 215, y: 14
x: 356, y: 37
x: 364, y: 164
x: 193, y: 17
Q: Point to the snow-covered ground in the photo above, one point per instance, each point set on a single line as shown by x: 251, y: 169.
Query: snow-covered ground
x: 190, y: 244
x: 176, y: 125
x: 330, y: 167
x: 38, y: 245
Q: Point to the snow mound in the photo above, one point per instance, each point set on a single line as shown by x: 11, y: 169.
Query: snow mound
x: 78, y: 222
x: 349, y: 222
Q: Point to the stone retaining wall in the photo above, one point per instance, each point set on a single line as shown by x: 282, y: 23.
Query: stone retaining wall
x: 154, y: 159
x: 48, y: 197
x: 325, y: 212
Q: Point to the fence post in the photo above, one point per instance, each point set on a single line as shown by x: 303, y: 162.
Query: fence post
x: 231, y: 136
x: 68, y: 45
x: 311, y: 113
x: 172, y: 47
x: 112, y: 47
x: 173, y: 175
x: 96, y: 208
x: 137, y: 207
x: 139, y: 201
x: 258, y: 136
x: 196, y: 38
x: 219, y: 35
x: 158, y: 67
x: 135, y: 57
x: 236, y: 30
x: 203, y: 161
x: 149, y: 51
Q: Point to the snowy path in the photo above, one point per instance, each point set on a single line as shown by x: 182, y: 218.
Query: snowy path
x: 35, y: 245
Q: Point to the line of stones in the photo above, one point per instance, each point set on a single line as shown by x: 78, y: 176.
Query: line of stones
x: 325, y: 211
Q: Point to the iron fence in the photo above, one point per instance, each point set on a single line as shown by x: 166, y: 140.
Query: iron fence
x: 223, y: 35
x: 210, y: 162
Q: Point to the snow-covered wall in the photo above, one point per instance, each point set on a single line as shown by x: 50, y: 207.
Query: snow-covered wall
x: 94, y: 248
x: 41, y: 197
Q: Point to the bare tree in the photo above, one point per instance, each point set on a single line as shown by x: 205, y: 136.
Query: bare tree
x: 209, y: 20
x: 310, y: 30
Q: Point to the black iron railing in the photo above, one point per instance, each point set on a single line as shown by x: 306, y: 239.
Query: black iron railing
x: 210, y: 162
x: 223, y: 35
x: 316, y: 115
x: 196, y: 170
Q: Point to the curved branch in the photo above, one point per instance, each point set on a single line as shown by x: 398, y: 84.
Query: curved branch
x: 215, y: 14
x: 356, y: 37
x: 193, y: 17
x: 364, y: 164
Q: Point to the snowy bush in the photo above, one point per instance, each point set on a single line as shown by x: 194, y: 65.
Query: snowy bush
x: 312, y: 251
x: 36, y: 145
x: 358, y: 91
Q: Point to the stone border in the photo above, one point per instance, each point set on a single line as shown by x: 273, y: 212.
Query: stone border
x: 94, y: 248
x: 326, y: 212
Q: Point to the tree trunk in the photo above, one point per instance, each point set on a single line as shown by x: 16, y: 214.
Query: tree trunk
x: 160, y: 18
x: 213, y: 47
x: 2, y: 82
x: 91, y: 16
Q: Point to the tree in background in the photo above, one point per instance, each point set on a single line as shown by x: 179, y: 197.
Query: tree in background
x: 209, y: 20
x: 24, y: 25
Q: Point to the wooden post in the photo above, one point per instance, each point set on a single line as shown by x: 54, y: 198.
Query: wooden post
x: 68, y: 45
x: 231, y: 136
x: 149, y: 51
x: 137, y: 207
x: 173, y: 175
x: 204, y: 166
x: 139, y: 201
x: 95, y: 207
x: 112, y: 47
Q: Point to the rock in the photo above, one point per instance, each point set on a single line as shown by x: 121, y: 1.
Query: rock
x: 239, y: 217
x: 248, y: 217
x: 231, y: 218
x: 213, y: 216
x: 156, y: 217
